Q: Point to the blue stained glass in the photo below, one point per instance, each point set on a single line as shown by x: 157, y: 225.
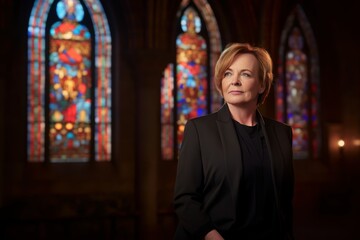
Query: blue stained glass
x: 77, y: 143
x: 70, y: 135
x: 61, y: 9
x: 95, y: 7
x: 87, y: 62
x: 52, y: 106
x: 79, y: 12
x: 201, y: 112
x: 36, y: 66
x: 183, y: 24
x: 190, y: 82
x: 197, y: 24
x: 54, y: 57
x: 87, y: 35
x: 103, y: 101
x: 192, y: 63
x: 30, y: 32
x: 190, y: 21
x: 58, y: 137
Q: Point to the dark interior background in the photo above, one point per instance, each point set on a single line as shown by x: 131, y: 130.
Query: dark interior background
x: 131, y: 196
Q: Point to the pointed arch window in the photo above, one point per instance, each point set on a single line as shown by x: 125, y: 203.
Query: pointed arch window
x: 297, y: 91
x: 69, y: 82
x: 187, y: 89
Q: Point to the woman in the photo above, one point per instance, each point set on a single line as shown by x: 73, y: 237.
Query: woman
x: 235, y: 175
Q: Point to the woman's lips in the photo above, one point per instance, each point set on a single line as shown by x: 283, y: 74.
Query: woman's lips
x: 236, y: 92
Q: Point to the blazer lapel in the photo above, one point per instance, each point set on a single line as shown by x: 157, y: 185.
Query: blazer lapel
x: 271, y: 150
x: 232, y: 152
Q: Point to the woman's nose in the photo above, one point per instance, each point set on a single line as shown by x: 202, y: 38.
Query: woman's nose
x: 236, y: 81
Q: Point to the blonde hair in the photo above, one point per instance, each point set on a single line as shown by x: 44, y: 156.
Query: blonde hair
x: 228, y: 56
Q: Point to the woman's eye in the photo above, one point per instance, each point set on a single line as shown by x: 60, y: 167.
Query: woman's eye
x: 245, y: 74
x: 227, y: 74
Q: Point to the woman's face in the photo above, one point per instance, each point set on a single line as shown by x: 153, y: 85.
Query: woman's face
x: 240, y: 84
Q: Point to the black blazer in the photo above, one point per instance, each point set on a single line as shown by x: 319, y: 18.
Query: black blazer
x: 210, y: 169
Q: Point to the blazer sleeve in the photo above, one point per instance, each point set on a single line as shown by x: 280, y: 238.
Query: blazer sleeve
x: 188, y: 195
x: 290, y: 191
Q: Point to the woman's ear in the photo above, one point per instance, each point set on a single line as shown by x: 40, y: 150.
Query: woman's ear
x: 261, y: 89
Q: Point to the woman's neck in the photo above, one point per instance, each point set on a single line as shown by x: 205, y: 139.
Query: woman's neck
x: 244, y: 115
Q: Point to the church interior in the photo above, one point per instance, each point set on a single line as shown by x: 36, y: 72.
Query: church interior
x: 89, y: 148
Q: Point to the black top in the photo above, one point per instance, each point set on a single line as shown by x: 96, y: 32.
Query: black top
x: 256, y: 207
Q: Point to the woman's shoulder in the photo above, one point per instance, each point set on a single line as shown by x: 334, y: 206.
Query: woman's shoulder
x: 204, y: 119
x: 204, y: 123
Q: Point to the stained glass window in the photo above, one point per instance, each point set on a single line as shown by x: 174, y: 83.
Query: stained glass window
x: 191, y: 72
x: 167, y: 112
x: 297, y: 90
x: 73, y: 117
x: 198, y: 46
